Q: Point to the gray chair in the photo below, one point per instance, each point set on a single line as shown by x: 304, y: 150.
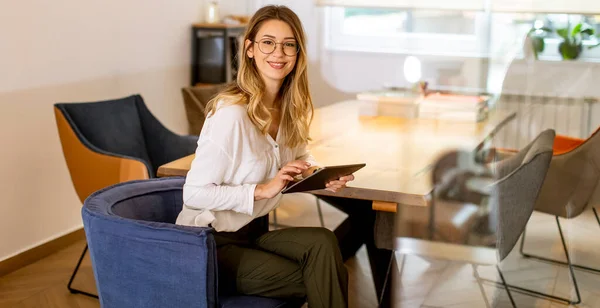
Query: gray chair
x: 506, y: 205
x: 571, y: 187
x: 195, y: 100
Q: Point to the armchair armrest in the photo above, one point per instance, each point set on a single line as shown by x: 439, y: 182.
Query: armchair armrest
x: 163, y: 144
x: 169, y: 146
x: 151, y: 264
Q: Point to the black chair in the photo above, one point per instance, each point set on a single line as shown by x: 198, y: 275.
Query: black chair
x: 113, y: 141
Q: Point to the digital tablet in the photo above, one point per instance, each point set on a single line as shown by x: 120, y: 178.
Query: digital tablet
x: 321, y: 177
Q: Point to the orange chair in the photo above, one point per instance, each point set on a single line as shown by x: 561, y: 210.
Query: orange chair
x: 114, y: 141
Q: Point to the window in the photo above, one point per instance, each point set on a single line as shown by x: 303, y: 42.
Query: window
x: 414, y: 31
x: 508, y: 31
x: 361, y: 21
x: 450, y: 33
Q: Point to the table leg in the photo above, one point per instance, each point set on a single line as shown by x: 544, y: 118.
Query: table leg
x: 381, y: 261
x: 351, y: 233
x: 359, y: 229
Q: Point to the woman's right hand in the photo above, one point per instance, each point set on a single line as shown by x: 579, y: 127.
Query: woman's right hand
x: 278, y: 183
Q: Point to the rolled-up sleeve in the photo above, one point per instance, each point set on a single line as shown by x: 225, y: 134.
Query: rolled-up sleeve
x: 205, y: 188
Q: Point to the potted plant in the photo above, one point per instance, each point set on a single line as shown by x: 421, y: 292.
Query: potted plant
x: 537, y: 36
x: 571, y: 46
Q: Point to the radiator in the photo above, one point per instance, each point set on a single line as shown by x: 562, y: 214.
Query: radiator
x: 566, y: 115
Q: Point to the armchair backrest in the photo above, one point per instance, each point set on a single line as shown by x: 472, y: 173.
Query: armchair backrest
x: 110, y: 127
x: 125, y: 127
x: 139, y: 256
x: 519, y: 180
x: 90, y: 167
x: 195, y: 100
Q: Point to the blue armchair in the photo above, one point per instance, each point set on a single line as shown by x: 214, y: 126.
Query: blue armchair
x: 142, y: 259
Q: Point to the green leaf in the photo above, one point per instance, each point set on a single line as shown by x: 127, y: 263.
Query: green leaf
x: 577, y: 29
x: 588, y: 31
x: 564, y: 33
x: 594, y: 46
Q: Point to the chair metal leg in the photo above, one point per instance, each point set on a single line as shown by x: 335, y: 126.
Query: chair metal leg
x: 572, y: 273
x: 321, y: 220
x: 506, y: 287
x: 75, y: 291
x: 503, y: 284
x: 476, y: 275
x: 526, y: 255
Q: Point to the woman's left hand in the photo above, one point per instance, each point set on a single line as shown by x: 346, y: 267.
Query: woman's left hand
x: 335, y: 186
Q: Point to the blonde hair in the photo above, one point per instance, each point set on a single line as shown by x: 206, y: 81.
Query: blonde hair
x: 296, y: 102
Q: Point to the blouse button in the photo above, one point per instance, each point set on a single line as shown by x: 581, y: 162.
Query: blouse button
x: 276, y: 146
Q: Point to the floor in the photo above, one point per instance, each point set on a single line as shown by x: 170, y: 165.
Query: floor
x: 428, y: 283
x: 422, y: 283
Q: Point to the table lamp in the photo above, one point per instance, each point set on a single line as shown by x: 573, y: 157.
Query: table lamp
x: 413, y: 74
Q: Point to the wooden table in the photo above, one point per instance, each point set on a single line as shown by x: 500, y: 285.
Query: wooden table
x: 398, y: 152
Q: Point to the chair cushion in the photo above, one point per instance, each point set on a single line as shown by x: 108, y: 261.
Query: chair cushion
x: 257, y: 301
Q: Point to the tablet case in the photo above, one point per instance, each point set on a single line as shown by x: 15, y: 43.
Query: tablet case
x: 319, y: 178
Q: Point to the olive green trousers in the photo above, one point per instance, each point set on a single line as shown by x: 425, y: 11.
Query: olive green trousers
x: 300, y: 262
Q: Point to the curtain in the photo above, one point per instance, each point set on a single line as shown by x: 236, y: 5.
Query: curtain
x: 545, y: 6
x: 508, y: 6
x: 464, y: 5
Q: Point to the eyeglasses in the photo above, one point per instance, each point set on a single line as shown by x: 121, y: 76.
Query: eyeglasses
x: 267, y: 46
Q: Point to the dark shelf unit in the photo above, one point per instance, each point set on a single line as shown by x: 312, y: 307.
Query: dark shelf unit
x: 214, y: 53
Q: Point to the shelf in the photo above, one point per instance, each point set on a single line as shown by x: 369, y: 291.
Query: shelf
x: 218, y: 26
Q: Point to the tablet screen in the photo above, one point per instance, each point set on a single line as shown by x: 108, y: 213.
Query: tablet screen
x: 319, y: 178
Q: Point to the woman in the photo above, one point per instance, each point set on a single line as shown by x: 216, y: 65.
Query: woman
x: 252, y: 144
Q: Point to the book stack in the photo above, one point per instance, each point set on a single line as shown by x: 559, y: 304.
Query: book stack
x: 454, y: 107
x: 403, y: 104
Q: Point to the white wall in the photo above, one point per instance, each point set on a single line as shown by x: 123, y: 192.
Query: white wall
x: 77, y: 50
x: 83, y: 50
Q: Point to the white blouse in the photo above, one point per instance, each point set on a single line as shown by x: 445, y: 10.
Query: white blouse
x: 232, y: 157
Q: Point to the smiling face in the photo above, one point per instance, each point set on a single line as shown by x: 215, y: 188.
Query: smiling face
x: 276, y: 65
